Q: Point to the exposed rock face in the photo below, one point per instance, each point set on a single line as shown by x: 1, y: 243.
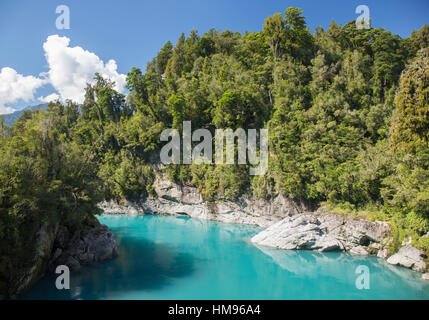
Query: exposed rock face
x: 37, y: 263
x: 361, y: 250
x: 409, y: 257
x: 354, y: 231
x: 325, y: 232
x: 112, y: 207
x: 178, y: 200
x: 56, y: 245
x: 298, y: 232
x: 383, y: 253
x: 83, y: 247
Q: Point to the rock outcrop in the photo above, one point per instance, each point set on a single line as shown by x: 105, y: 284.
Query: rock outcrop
x: 185, y: 200
x: 298, y: 232
x: 83, y: 247
x: 55, y: 244
x: 326, y: 232
x: 409, y: 257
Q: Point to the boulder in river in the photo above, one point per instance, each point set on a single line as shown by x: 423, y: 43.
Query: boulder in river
x: 297, y: 232
x: 409, y: 257
x: 326, y: 232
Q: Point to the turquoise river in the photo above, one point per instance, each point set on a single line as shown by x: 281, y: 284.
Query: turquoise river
x: 167, y: 257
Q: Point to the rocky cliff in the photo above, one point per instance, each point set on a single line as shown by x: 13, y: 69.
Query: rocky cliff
x: 56, y: 244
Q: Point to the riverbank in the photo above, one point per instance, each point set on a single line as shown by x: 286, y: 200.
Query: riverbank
x: 166, y: 257
x: 59, y: 244
x: 287, y: 224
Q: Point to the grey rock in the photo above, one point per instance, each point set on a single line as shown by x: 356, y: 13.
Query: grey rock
x: 352, y: 231
x: 111, y: 207
x: 409, y: 257
x: 298, y: 232
x: 85, y: 247
x: 168, y: 190
x: 360, y: 250
x: 425, y: 276
x: 186, y: 200
x: 383, y: 253
x: 375, y: 245
x: 325, y: 232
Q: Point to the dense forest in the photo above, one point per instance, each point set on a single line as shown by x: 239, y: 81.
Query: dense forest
x: 347, y: 111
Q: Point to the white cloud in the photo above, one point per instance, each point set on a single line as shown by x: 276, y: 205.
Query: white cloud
x: 71, y: 68
x: 6, y: 110
x: 49, y: 98
x: 15, y: 87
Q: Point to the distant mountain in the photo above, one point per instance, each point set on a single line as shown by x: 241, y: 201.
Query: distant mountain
x: 10, y: 118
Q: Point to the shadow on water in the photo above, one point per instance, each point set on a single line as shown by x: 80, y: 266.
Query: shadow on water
x: 142, y: 266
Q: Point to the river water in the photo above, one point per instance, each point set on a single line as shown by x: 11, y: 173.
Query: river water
x: 167, y: 257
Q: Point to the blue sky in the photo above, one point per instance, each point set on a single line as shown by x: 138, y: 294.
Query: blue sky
x: 132, y: 32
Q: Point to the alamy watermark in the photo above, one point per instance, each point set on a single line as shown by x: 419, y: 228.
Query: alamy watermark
x: 364, y: 20
x: 63, y: 20
x: 63, y: 280
x: 202, y: 153
x: 363, y: 280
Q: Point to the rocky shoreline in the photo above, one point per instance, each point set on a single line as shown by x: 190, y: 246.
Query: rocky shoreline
x: 287, y: 224
x: 57, y: 244
x: 83, y: 247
